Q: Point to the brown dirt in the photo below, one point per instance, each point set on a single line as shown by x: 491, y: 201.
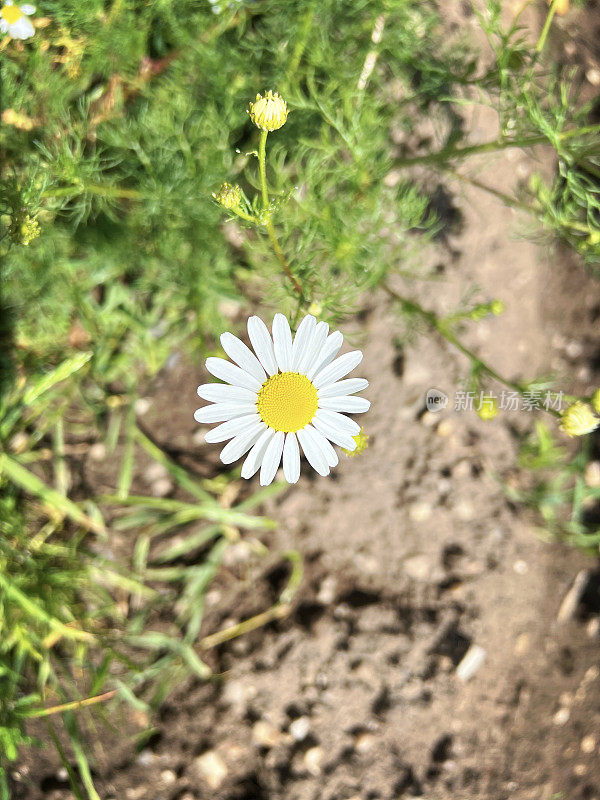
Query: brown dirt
x: 412, y: 556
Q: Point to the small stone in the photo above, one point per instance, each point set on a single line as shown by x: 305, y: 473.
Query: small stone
x: 97, y: 452
x: 162, y: 487
x: 19, y: 442
x: 593, y: 628
x: 471, y: 662
x: 136, y: 793
x: 588, y: 744
x: 417, y: 567
x: 211, y: 767
x: 592, y: 474
x: 155, y: 472
x: 570, y: 604
x: 364, y: 742
x: 574, y: 349
x: 580, y: 770
x: 445, y: 428
x: 561, y: 717
x: 591, y: 674
x: 300, y: 728
x: 142, y: 405
x: 168, y: 777
x: 420, y: 512
x: 465, y: 510
x: 462, y: 469
x: 264, y: 734
x: 327, y: 590
x: 593, y: 76
x: 313, y: 758
x: 236, y: 554
x: 146, y: 758
x: 521, y: 567
x: 522, y: 644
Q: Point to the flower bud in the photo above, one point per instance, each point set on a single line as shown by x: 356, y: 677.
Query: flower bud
x: 269, y: 112
x: 228, y: 196
x: 578, y: 419
x: 561, y: 7
x: 362, y: 442
x: 596, y: 401
x: 488, y: 408
x: 29, y: 230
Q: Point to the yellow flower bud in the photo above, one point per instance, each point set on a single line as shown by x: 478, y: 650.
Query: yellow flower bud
x: 596, y: 401
x: 561, y: 7
x: 29, y: 230
x: 362, y: 442
x: 269, y: 112
x: 497, y: 307
x: 578, y: 419
x: 228, y: 196
x: 488, y: 408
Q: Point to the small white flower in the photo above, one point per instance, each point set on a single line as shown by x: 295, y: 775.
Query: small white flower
x: 13, y: 20
x: 289, y: 395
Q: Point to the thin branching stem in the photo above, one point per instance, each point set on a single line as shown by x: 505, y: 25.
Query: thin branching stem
x: 438, y: 325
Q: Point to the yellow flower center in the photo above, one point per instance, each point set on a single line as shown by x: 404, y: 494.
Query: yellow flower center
x: 287, y: 401
x: 11, y: 14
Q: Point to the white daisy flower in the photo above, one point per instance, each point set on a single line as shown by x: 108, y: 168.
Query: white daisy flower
x: 289, y: 395
x: 13, y: 20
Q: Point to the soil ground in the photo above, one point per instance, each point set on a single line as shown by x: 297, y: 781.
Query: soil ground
x: 413, y: 558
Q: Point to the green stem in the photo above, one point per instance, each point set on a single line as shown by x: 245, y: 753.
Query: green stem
x: 544, y: 34
x: 262, y: 165
x: 449, y: 153
x: 119, y: 192
x: 434, y: 322
x: 281, y: 257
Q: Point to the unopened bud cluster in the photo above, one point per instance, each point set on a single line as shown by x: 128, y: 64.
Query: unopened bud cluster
x: 268, y: 113
x: 228, y: 196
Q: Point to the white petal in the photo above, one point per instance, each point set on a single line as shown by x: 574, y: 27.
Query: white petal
x: 338, y: 368
x: 337, y: 437
x: 291, y: 458
x: 282, y: 342
x: 28, y: 9
x: 227, y: 430
x: 352, y: 405
x: 255, y: 456
x: 3, y: 26
x: 312, y: 451
x: 326, y: 448
x: 314, y: 346
x: 271, y: 459
x: 243, y: 356
x: 231, y: 374
x: 327, y: 353
x: 337, y: 421
x: 222, y: 393
x: 241, y: 444
x: 22, y: 29
x: 262, y: 344
x: 220, y: 412
x: 302, y: 340
x: 348, y: 386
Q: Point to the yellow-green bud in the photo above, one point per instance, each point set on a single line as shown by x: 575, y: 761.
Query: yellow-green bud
x: 269, y: 112
x: 228, y: 196
x: 578, y: 419
x: 362, y: 442
x: 29, y: 230
x: 596, y: 401
x: 497, y: 307
x: 594, y: 238
x: 488, y: 408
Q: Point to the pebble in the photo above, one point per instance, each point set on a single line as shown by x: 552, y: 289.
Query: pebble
x: 522, y: 644
x: 300, y: 728
x: 588, y: 744
x: 313, y: 758
x: 146, y: 758
x: 570, y: 604
x: 327, y: 590
x: 211, y: 767
x: 420, y: 512
x: 136, y: 793
x: 592, y: 474
x: 593, y: 628
x: 142, y: 405
x: 97, y: 452
x: 561, y: 717
x: 465, y: 510
x: 364, y: 742
x: 19, y: 442
x: 471, y: 662
x: 264, y: 734
x: 417, y: 567
x: 155, y: 472
x: 168, y: 777
x: 579, y: 769
x: 521, y: 567
x: 162, y: 487
x: 593, y: 76
x: 445, y: 428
